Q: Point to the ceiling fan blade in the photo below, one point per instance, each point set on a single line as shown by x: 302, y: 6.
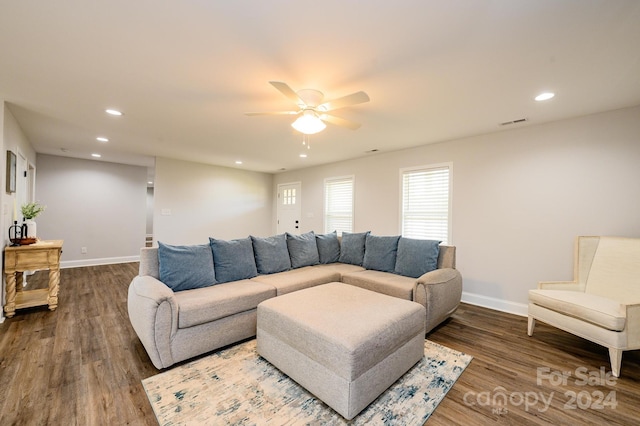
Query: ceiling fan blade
x: 287, y: 91
x: 340, y: 121
x: 272, y: 113
x: 345, y: 101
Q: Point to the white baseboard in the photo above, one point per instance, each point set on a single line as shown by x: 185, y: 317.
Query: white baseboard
x: 496, y: 304
x: 96, y: 262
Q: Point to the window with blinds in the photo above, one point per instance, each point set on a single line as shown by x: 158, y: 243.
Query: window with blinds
x: 426, y: 202
x: 338, y: 204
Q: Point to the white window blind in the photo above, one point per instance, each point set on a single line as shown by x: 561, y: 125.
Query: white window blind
x: 426, y: 203
x: 338, y: 204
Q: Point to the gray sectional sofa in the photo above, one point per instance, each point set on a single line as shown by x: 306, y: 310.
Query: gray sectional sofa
x: 190, y: 300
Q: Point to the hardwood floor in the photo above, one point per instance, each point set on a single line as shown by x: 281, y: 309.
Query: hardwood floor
x: 552, y: 377
x: 82, y: 365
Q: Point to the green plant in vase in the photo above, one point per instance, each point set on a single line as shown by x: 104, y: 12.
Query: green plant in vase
x: 30, y: 211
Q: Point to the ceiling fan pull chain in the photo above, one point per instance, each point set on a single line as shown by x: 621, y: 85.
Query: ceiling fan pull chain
x: 305, y: 141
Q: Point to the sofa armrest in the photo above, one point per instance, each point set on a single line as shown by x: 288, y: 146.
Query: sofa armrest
x: 439, y: 291
x: 153, y: 312
x: 633, y: 324
x: 560, y: 285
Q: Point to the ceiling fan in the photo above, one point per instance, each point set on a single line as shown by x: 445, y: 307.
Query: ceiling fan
x: 312, y: 112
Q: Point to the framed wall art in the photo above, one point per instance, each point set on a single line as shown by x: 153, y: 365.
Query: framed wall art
x: 11, y: 172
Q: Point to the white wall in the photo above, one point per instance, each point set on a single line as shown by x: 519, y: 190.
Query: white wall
x: 149, y: 228
x: 519, y: 198
x: 11, y: 138
x: 201, y: 201
x: 93, y: 204
x: 5, y: 201
x: 16, y: 141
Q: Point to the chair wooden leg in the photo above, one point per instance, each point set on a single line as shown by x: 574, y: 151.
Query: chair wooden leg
x: 615, y: 355
x: 531, y: 322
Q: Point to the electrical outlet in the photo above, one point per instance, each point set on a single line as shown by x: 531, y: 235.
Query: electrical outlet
x: 83, y: 250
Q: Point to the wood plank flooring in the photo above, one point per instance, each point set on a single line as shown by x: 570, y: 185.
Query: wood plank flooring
x: 82, y: 365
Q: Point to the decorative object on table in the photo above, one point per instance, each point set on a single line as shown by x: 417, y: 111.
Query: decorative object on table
x: 15, y: 233
x: 30, y: 211
x: 11, y: 172
x: 237, y: 386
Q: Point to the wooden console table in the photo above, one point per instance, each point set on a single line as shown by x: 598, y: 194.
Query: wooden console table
x: 41, y: 255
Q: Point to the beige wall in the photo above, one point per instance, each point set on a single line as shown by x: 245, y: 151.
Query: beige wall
x: 11, y: 138
x: 519, y: 198
x: 193, y: 202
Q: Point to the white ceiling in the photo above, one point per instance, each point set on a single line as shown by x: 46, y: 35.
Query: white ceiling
x: 184, y: 72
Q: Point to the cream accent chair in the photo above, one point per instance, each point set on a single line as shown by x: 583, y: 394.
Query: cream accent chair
x: 602, y: 304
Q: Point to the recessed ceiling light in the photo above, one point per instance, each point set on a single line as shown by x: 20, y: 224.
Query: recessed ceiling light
x: 113, y: 112
x: 96, y: 155
x: 544, y: 96
x: 102, y: 139
x: 150, y: 183
x: 303, y: 155
x: 238, y: 162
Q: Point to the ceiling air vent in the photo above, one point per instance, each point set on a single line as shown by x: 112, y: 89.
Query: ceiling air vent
x: 518, y: 121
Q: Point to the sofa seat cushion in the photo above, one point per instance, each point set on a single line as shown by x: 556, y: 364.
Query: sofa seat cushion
x: 208, y: 304
x: 341, y: 268
x: 297, y: 279
x: 598, y: 310
x: 382, y: 282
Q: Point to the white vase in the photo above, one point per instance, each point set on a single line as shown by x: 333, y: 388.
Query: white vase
x: 31, y: 228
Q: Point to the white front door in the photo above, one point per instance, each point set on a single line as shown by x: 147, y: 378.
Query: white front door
x: 289, y: 209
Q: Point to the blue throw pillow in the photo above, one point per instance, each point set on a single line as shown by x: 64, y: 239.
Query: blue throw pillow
x: 328, y: 247
x: 352, y: 247
x: 416, y: 257
x: 233, y: 259
x: 303, y: 250
x: 380, y: 253
x: 271, y: 254
x: 186, y: 267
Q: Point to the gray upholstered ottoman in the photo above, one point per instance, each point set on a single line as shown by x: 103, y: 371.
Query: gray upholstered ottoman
x: 344, y: 344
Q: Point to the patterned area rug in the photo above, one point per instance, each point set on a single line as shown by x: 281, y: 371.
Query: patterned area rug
x: 238, y: 387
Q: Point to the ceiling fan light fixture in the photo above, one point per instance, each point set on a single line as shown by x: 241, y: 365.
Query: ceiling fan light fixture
x: 309, y: 123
